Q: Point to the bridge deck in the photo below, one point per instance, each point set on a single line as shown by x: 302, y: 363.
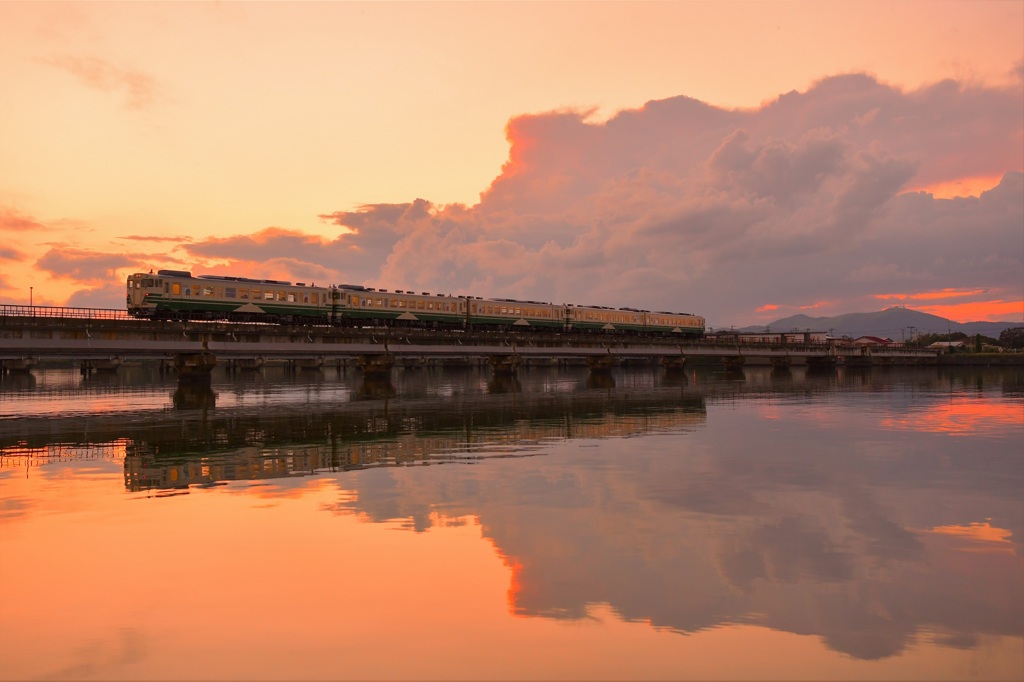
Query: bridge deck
x: 80, y: 337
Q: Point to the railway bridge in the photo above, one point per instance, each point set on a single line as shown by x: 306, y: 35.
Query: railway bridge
x: 103, y: 339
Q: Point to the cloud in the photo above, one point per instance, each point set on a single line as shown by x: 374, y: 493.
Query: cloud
x: 137, y: 87
x: 14, y: 221
x: 83, y: 266
x: 7, y: 253
x: 277, y: 252
x: 679, y: 205
x: 110, y: 296
x: 154, y: 238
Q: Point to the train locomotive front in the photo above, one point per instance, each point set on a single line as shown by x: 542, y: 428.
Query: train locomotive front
x: 176, y: 294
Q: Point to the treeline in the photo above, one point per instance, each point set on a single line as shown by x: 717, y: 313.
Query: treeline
x: 1009, y: 339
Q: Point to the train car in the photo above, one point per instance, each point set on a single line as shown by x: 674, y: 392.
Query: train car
x: 631, y: 320
x: 674, y: 323
x: 177, y: 294
x: 362, y: 305
x: 599, y: 318
x: 512, y: 314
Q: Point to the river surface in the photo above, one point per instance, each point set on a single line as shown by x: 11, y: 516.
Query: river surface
x: 447, y: 525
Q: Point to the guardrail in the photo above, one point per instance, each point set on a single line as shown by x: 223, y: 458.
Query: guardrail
x: 65, y: 312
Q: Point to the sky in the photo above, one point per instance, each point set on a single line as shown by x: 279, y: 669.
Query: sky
x: 745, y: 161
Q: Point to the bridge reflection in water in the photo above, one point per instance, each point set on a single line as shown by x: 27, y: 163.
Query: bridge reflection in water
x: 225, y: 448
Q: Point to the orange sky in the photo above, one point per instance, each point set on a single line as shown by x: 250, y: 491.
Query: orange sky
x: 137, y: 132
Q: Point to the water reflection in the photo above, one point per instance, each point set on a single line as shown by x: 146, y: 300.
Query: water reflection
x: 194, y: 395
x: 832, y: 504
x: 376, y: 388
x: 504, y: 383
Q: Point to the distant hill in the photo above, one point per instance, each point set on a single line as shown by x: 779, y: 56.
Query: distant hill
x: 895, y: 323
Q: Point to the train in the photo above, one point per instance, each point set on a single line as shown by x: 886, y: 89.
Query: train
x: 177, y: 294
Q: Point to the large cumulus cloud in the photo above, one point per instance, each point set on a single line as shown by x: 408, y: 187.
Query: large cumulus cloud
x: 805, y: 201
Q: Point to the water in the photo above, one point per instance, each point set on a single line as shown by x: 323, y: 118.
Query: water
x: 561, y: 525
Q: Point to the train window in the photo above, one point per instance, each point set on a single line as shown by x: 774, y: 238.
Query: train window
x: 230, y: 292
x: 420, y: 305
x: 430, y: 305
x: 282, y: 296
x: 401, y: 304
x: 146, y: 283
x: 355, y: 300
x: 243, y: 293
x: 291, y: 298
x: 176, y: 289
x: 268, y: 295
x: 315, y: 297
x: 207, y: 291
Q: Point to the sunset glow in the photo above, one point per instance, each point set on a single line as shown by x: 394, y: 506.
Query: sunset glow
x: 567, y: 152
x: 959, y: 417
x: 960, y: 187
x: 1012, y: 311
x: 982, y: 537
x: 946, y: 303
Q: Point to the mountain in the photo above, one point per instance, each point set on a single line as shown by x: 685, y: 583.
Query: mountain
x: 895, y: 323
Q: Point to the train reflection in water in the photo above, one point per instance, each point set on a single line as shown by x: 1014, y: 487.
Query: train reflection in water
x: 250, y: 447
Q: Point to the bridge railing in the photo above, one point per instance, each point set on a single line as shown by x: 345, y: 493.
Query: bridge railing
x: 65, y: 312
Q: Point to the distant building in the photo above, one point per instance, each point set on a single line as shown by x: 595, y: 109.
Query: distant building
x: 872, y: 341
x: 945, y: 346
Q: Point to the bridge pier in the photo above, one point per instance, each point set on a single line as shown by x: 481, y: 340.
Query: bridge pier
x: 673, y: 363
x: 194, y: 366
x: 733, y: 363
x: 504, y: 365
x: 601, y: 363
x: 377, y: 366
